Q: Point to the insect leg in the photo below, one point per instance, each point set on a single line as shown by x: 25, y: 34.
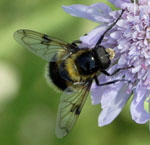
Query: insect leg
x: 76, y: 41
x: 116, y: 71
x: 110, y: 82
x: 74, y: 45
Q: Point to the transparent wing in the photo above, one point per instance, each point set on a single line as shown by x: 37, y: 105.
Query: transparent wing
x: 41, y: 44
x: 71, y: 104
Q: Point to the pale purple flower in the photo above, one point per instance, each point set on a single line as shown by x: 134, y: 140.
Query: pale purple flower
x: 130, y: 38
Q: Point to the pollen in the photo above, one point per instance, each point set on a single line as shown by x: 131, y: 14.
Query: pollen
x: 111, y: 53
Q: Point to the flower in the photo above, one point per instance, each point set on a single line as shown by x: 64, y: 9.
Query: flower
x: 130, y: 38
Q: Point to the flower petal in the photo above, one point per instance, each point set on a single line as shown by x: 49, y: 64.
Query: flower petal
x: 115, y: 35
x: 139, y: 114
x: 97, y: 12
x: 144, y: 2
x: 95, y: 90
x: 91, y: 39
x: 113, y: 100
x: 120, y: 3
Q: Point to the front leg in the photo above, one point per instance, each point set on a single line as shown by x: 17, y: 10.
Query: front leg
x: 108, y: 83
x: 74, y: 44
x: 116, y: 71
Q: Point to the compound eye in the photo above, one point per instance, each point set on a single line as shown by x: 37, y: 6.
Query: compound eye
x: 103, y: 57
x: 105, y: 61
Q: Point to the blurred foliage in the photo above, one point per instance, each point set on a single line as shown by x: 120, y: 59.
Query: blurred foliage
x: 28, y: 106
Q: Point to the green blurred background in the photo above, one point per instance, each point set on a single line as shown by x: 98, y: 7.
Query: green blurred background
x: 28, y: 106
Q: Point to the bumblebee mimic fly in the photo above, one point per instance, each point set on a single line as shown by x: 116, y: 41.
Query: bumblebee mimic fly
x: 70, y: 69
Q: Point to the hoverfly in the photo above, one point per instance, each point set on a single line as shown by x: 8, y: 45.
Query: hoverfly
x: 70, y: 69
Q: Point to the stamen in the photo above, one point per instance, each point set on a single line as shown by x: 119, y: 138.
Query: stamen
x: 134, y: 7
x: 134, y: 10
x: 143, y: 66
x: 128, y: 91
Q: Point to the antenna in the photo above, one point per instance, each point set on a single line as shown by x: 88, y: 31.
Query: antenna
x: 102, y: 37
